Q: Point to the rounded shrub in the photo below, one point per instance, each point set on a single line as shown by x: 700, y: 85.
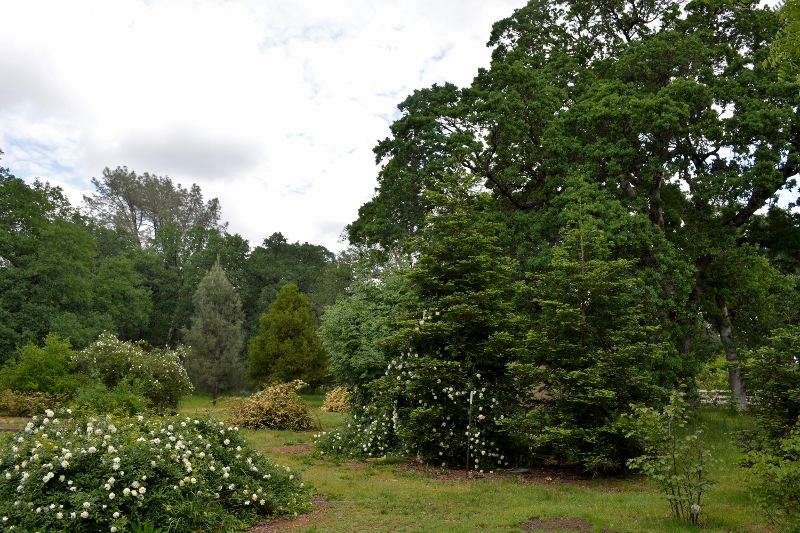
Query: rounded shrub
x: 27, y: 403
x: 276, y: 407
x: 101, y: 474
x: 336, y: 401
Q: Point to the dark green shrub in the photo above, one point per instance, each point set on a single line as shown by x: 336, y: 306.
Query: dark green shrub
x: 286, y: 346
x: 772, y: 374
x: 123, y: 399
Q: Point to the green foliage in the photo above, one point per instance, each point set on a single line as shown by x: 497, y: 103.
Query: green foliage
x: 216, y: 337
x: 773, y: 378
x: 118, y: 294
x: 591, y: 353
x: 785, y: 50
x: 277, y: 262
x: 286, y: 347
x: 45, y: 281
x: 666, y: 107
x: 337, y: 400
x: 355, y: 329
x: 125, y: 398
x: 276, y: 407
x: 141, y: 204
x: 674, y: 457
x: 87, y: 474
x: 48, y: 369
x: 446, y: 385
x: 159, y: 373
x: 773, y: 478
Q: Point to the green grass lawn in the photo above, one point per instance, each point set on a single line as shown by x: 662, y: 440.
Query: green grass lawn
x: 405, y: 496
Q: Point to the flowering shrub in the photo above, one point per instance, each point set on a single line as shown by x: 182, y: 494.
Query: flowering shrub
x: 432, y: 407
x: 276, y: 407
x: 105, y: 474
x: 159, y: 372
x: 368, y: 433
x: 336, y: 401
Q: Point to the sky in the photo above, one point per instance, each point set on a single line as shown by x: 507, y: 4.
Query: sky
x: 272, y: 106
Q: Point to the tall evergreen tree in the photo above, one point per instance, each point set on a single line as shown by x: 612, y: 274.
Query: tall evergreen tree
x: 216, y: 336
x: 287, y: 347
x: 447, y: 386
x: 591, y: 352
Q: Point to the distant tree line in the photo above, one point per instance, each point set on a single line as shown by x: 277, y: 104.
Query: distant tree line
x: 132, y: 261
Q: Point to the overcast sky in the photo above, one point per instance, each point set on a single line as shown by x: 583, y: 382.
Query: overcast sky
x: 272, y: 106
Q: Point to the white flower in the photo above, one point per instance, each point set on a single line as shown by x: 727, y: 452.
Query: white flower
x: 115, y: 515
x: 111, y: 495
x: 84, y: 515
x: 226, y: 442
x: 142, y: 490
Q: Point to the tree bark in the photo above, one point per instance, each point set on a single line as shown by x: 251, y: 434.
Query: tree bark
x: 735, y: 380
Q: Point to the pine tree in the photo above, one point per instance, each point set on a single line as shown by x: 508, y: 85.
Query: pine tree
x: 286, y: 347
x: 216, y: 337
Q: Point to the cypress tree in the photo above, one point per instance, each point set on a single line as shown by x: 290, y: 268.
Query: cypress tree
x: 216, y: 337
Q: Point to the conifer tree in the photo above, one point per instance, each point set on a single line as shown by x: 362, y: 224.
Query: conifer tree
x: 216, y: 336
x: 447, y: 386
x: 286, y: 347
x: 590, y: 353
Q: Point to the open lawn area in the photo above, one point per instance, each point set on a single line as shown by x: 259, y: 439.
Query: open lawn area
x: 391, y: 495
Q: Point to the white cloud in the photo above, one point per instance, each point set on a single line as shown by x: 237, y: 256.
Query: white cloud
x: 273, y: 107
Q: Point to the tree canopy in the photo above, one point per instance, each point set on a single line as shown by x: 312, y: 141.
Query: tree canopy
x: 668, y: 107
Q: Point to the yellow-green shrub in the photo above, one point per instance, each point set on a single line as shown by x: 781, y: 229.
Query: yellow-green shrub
x: 337, y: 400
x: 276, y: 407
x: 28, y: 403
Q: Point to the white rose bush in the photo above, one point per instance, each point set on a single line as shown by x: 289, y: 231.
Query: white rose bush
x: 101, y: 474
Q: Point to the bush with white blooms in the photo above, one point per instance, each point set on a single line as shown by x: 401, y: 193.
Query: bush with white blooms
x: 106, y: 474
